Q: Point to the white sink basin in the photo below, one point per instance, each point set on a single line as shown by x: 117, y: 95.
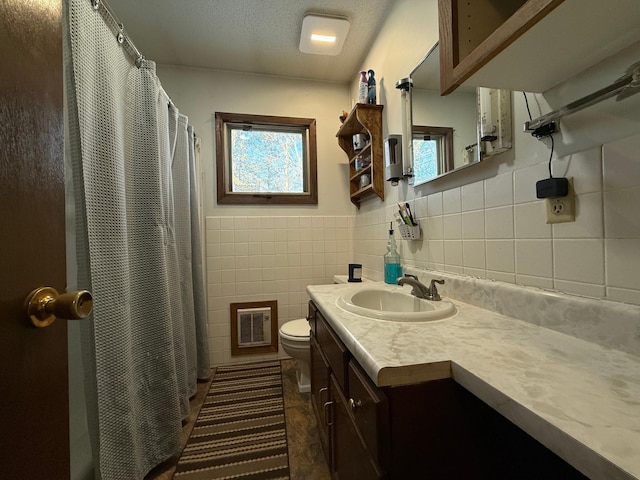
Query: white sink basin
x: 395, y: 304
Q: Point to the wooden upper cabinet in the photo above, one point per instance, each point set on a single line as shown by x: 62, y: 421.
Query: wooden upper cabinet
x: 530, y: 45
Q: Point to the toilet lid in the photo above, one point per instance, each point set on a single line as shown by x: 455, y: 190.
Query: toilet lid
x: 296, y: 328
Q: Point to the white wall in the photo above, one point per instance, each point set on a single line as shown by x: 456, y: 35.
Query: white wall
x: 409, y: 32
x: 199, y: 93
x: 486, y: 221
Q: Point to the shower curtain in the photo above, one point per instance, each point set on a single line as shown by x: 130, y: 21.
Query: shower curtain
x: 137, y: 243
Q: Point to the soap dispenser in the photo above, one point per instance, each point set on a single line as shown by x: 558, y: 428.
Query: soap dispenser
x: 392, y: 268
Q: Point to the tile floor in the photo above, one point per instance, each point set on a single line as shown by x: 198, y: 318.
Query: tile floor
x: 306, y: 460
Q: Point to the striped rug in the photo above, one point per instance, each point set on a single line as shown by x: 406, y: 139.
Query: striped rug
x: 240, y: 431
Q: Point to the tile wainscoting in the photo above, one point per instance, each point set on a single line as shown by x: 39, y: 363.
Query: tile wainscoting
x: 257, y: 258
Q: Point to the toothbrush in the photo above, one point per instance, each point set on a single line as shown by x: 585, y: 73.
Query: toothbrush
x: 405, y: 215
x: 409, y: 213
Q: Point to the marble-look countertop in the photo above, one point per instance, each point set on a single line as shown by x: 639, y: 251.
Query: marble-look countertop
x: 580, y: 399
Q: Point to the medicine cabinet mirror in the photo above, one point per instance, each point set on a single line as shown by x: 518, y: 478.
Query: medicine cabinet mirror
x: 444, y: 130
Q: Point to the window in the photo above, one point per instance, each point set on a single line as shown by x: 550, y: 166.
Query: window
x: 266, y: 159
x: 432, y: 152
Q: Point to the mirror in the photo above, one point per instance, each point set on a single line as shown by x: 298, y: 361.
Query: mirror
x: 444, y: 129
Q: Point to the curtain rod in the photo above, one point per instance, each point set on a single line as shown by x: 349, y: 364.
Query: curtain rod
x: 625, y: 86
x: 118, y: 30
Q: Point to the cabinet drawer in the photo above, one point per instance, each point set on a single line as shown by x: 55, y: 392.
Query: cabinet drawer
x: 334, y: 350
x: 370, y: 410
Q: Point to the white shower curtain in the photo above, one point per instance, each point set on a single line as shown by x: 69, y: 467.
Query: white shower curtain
x: 131, y: 154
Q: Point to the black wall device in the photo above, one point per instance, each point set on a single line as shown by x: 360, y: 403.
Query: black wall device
x: 552, y: 187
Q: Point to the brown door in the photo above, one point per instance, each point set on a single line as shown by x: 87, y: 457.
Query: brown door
x: 34, y: 417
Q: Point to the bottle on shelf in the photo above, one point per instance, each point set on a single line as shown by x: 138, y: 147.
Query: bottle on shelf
x: 392, y: 267
x: 363, y: 88
x: 371, y: 88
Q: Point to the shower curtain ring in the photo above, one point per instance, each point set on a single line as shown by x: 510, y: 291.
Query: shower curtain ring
x: 120, y: 35
x: 139, y: 61
x: 96, y: 4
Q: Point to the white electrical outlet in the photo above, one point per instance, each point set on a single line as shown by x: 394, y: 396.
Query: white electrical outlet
x: 562, y: 209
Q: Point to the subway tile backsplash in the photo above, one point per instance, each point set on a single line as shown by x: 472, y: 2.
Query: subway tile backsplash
x: 496, y: 228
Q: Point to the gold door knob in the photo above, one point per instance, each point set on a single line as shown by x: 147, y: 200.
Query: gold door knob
x: 45, y: 304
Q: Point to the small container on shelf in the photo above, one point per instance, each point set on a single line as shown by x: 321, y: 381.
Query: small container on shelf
x: 362, y: 162
x: 410, y: 232
x: 365, y: 180
x: 360, y: 140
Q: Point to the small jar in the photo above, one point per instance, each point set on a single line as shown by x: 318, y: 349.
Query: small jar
x: 365, y: 180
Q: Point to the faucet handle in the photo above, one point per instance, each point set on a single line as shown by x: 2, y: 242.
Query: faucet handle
x: 433, y: 290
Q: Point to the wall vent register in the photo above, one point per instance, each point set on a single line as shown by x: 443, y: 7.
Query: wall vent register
x: 254, y: 327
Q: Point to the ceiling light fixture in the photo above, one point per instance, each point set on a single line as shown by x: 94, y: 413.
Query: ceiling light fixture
x: 323, y: 34
x: 323, y: 38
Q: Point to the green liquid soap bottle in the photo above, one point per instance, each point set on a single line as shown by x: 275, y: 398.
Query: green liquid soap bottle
x: 392, y: 267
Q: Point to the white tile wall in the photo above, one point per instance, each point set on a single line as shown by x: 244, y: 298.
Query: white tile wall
x: 500, y: 256
x: 498, y: 191
x: 473, y: 197
x: 499, y: 222
x: 496, y: 228
x: 269, y: 258
x: 473, y: 226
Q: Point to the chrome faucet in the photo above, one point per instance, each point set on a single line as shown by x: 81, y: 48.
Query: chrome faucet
x: 420, y: 290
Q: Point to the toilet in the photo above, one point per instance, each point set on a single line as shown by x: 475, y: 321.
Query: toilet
x: 294, y: 338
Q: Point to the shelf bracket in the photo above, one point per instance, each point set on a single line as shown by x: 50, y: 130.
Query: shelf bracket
x: 624, y: 87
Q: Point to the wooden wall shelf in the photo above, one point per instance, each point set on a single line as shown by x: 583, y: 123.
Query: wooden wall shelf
x: 365, y: 119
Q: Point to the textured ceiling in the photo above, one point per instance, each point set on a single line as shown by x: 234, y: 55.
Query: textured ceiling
x: 257, y: 36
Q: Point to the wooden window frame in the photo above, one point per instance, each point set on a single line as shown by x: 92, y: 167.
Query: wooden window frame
x: 227, y: 197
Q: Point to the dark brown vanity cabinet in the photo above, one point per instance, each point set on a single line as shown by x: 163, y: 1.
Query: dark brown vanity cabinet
x: 348, y: 427
x: 434, y: 430
x: 320, y: 400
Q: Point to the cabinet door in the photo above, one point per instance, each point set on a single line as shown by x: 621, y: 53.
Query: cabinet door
x: 333, y: 349
x: 370, y: 410
x: 320, y: 395
x: 351, y: 460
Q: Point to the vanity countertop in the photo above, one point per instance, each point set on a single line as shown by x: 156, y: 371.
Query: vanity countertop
x: 580, y: 399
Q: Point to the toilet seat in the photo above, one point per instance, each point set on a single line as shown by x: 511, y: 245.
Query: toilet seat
x: 296, y: 330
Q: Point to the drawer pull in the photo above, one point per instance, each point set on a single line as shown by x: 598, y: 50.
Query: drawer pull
x: 327, y: 417
x: 354, y: 404
x: 321, y: 391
